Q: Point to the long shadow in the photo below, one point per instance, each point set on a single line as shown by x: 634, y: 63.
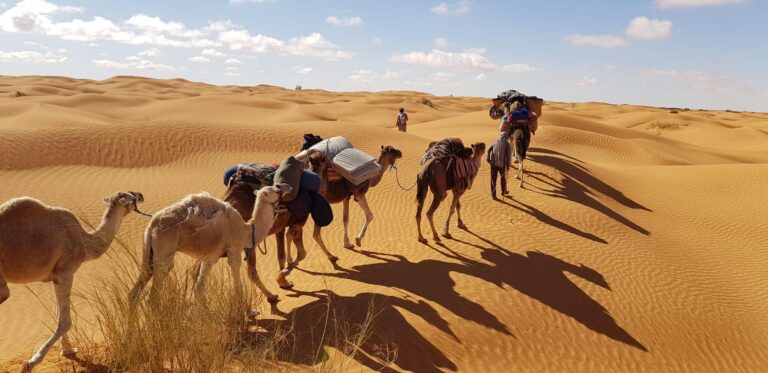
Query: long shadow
x: 332, y: 320
x: 429, y: 279
x: 537, y: 275
x: 578, y: 185
x: 546, y: 219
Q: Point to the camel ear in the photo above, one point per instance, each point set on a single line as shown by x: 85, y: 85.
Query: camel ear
x: 382, y: 147
x: 107, y: 199
x: 124, y: 201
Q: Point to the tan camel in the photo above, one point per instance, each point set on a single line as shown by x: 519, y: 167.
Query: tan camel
x: 208, y: 229
x: 40, y: 243
x: 342, y: 190
x: 241, y: 196
x: 434, y: 176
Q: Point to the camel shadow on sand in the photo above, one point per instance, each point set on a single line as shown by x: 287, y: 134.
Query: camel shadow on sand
x: 535, y: 274
x: 577, y: 185
x: 332, y: 321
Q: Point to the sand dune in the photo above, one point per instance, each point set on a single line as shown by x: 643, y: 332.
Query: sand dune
x: 637, y: 244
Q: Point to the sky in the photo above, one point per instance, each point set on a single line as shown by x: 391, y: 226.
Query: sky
x: 709, y: 54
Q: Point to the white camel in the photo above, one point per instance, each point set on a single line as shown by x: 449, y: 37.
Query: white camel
x: 44, y: 243
x: 208, y: 229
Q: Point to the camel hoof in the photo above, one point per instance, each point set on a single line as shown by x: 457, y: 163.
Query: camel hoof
x: 333, y: 258
x: 349, y: 246
x: 520, y: 186
x: 447, y: 235
x: 273, y: 299
x: 74, y: 351
x: 422, y: 240
x: 358, y: 242
x: 253, y: 314
x: 286, y: 271
x: 26, y: 367
x: 436, y: 239
x: 462, y: 226
x: 286, y: 286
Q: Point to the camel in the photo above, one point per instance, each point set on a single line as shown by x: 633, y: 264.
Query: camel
x: 40, y: 243
x: 520, y: 140
x: 434, y: 176
x: 241, y: 196
x: 341, y: 190
x: 208, y: 229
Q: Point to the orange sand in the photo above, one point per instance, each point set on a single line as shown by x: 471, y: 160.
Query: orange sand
x: 630, y: 249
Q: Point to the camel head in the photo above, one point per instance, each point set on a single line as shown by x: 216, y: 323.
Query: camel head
x: 273, y: 194
x: 478, y: 148
x: 391, y: 154
x: 127, y: 200
x: 316, y: 161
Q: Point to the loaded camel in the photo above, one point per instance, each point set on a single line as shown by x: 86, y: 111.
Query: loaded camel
x: 208, y: 229
x: 44, y: 243
x: 434, y: 176
x: 341, y: 190
x: 241, y: 196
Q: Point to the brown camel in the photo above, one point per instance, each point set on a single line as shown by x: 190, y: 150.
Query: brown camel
x: 241, y: 196
x: 341, y: 190
x: 43, y: 243
x: 434, y: 176
x: 208, y: 229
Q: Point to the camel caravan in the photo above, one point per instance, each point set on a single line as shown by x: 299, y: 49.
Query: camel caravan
x: 40, y: 243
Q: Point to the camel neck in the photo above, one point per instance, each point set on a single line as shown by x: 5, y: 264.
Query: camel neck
x: 261, y: 222
x: 384, y: 163
x: 102, y: 237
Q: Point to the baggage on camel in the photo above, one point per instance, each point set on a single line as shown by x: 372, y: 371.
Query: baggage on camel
x: 460, y: 164
x: 346, y: 162
x: 532, y: 103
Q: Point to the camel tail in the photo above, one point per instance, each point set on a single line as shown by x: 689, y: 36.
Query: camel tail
x: 422, y: 185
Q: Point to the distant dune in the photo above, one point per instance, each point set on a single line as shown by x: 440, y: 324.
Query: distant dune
x: 638, y: 244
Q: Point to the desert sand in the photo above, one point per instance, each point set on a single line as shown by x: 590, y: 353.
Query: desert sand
x: 637, y: 244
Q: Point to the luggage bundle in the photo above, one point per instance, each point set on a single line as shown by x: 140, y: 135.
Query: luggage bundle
x: 532, y: 103
x: 352, y: 164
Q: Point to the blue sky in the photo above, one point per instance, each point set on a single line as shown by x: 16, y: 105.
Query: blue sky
x: 685, y: 53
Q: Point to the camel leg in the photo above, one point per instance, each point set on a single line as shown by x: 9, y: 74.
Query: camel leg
x: 436, y: 200
x: 253, y: 275
x: 460, y: 224
x: 62, y: 286
x: 419, y: 208
x: 345, y: 220
x: 454, y: 201
x: 5, y: 291
x: 202, y: 276
x: 521, y: 173
x: 162, y: 268
x: 233, y: 258
x: 296, y: 235
x: 319, y: 239
x: 281, y: 250
x: 363, y: 202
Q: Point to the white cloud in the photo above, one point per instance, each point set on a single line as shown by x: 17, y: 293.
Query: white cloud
x: 200, y: 59
x: 377, y: 40
x: 609, y: 67
x: 648, y: 29
x: 151, y: 52
x: 441, y: 77
x: 599, y: 41
x: 229, y: 73
x: 440, y: 43
x: 480, y: 77
x: 156, y: 25
x: 138, y: 65
x: 133, y: 58
x: 232, y: 68
x: 233, y: 61
x: 344, y: 22
x: 368, y: 76
x: 586, y: 82
x: 471, y: 59
x: 210, y: 52
x: 303, y: 70
x: 445, y: 9
x: 3, y: 5
x: 312, y: 45
x: 32, y: 57
x: 701, y: 81
x: 666, y: 4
